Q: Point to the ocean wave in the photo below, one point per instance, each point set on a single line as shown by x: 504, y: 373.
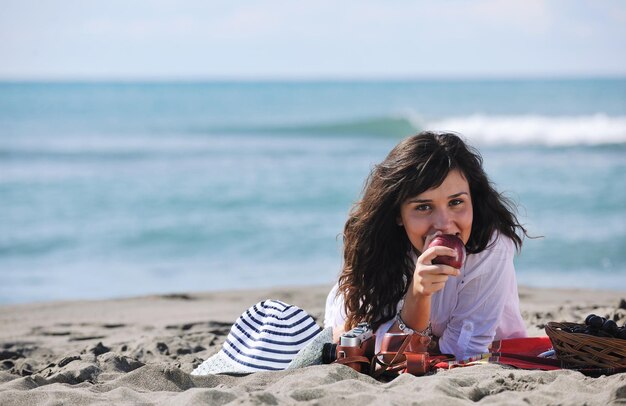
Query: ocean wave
x: 597, y: 129
x: 541, y: 130
x: 391, y: 126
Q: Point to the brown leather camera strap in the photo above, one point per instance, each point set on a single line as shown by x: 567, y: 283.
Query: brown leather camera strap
x: 409, y: 358
x: 417, y: 363
x: 353, y: 359
x: 397, y: 364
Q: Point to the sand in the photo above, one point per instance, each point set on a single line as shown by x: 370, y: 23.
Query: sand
x: 141, y: 350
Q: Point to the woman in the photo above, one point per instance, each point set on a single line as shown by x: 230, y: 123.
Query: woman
x: 430, y: 184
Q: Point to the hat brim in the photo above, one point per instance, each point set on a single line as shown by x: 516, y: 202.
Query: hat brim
x: 220, y: 363
x: 311, y: 354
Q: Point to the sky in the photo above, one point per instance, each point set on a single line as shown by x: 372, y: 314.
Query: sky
x: 321, y: 39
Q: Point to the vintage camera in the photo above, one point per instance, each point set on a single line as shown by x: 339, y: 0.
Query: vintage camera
x: 355, y: 348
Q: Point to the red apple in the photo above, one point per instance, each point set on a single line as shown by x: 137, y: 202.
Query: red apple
x: 451, y: 241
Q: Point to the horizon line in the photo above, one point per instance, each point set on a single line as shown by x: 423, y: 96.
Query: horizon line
x: 303, y: 79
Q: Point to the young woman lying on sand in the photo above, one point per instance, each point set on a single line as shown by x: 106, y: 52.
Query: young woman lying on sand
x: 430, y: 184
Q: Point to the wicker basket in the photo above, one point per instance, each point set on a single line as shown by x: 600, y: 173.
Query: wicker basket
x: 576, y: 350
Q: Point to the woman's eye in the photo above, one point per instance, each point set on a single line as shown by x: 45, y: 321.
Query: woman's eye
x: 422, y: 207
x: 456, y: 202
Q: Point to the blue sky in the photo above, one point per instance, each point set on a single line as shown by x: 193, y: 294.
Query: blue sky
x: 319, y: 39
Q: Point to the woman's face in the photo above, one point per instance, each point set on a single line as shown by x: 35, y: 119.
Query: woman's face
x: 446, y: 209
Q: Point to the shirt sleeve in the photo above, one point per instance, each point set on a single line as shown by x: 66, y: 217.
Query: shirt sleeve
x: 334, y: 314
x: 482, y: 297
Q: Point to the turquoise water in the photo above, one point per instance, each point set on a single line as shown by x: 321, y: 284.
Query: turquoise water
x: 116, y: 189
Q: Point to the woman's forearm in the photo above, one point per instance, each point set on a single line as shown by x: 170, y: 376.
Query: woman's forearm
x: 415, y: 312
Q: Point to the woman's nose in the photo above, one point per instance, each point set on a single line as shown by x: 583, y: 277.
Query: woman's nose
x: 442, y: 221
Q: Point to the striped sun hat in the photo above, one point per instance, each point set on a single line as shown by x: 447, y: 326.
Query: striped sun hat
x: 266, y: 337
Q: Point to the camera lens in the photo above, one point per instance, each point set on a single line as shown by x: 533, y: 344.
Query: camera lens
x: 329, y: 353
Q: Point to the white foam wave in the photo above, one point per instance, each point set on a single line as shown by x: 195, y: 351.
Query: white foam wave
x: 594, y: 129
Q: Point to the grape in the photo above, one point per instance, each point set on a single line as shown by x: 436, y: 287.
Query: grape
x: 596, y: 322
x: 589, y: 317
x: 599, y: 327
x: 610, y: 327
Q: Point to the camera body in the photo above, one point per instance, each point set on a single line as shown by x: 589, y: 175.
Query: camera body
x: 355, y: 344
x: 357, y: 336
x: 356, y: 349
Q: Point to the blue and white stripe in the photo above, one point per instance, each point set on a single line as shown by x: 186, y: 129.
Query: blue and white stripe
x: 267, y: 336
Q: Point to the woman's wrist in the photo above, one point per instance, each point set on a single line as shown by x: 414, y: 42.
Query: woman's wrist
x: 402, y: 325
x: 415, y: 312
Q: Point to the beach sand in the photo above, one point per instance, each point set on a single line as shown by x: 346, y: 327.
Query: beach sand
x: 141, y: 350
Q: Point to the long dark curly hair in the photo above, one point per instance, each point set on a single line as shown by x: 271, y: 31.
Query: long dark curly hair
x: 378, y: 267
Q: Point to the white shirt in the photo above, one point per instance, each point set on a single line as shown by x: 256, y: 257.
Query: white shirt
x: 472, y: 310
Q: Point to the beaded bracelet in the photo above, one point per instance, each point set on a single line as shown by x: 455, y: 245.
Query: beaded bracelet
x: 427, y: 332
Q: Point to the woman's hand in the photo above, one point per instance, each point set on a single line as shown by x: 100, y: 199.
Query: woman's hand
x: 429, y: 278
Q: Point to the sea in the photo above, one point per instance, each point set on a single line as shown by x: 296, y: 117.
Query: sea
x: 117, y: 189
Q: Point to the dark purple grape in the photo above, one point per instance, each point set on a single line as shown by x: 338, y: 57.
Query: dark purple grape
x: 602, y: 333
x: 589, y: 317
x: 610, y: 327
x: 596, y: 322
x: 621, y: 333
